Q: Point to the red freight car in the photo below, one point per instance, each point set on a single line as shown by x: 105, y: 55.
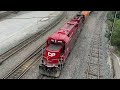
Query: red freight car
x: 59, y: 45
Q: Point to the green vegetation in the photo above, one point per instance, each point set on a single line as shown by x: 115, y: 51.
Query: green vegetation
x: 116, y: 34
x: 115, y: 40
x: 118, y: 51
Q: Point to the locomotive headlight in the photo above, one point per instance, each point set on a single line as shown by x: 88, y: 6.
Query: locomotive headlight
x: 51, y: 54
x: 52, y: 40
x: 60, y: 41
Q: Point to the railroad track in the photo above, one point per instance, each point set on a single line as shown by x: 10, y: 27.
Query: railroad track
x: 20, y: 46
x: 93, y: 70
x: 44, y: 77
x: 23, y: 67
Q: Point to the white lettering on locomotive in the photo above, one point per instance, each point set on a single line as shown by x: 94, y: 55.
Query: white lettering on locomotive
x: 51, y: 54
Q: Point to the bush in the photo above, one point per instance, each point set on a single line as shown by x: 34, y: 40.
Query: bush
x: 109, y: 24
x: 118, y: 15
x: 110, y: 16
x: 116, y: 34
x: 115, y: 40
x: 118, y: 51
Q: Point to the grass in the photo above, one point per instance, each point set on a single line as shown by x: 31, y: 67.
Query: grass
x: 115, y: 34
x: 118, y: 51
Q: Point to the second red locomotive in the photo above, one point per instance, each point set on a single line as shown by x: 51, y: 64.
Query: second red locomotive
x: 60, y: 44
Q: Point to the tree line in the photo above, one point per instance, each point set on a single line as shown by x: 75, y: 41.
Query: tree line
x: 115, y: 39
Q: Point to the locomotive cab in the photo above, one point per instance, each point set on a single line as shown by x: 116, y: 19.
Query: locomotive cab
x: 53, y: 53
x: 52, y: 57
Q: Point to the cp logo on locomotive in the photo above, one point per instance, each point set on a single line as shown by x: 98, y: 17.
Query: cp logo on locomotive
x: 51, y: 54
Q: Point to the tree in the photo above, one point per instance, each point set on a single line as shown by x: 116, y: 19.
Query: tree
x: 110, y: 16
x: 116, y: 34
x: 118, y: 15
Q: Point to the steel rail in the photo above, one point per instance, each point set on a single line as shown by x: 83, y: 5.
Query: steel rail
x: 24, y: 66
x: 20, y: 46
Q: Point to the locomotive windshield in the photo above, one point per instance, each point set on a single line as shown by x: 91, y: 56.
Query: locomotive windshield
x: 55, y: 45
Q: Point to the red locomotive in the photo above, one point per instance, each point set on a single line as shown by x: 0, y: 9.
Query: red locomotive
x: 60, y: 44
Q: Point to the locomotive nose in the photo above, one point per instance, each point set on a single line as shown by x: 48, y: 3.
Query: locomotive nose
x: 51, y: 54
x: 52, y: 57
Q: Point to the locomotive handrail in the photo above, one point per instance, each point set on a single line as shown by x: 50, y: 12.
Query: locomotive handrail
x: 46, y: 57
x: 52, y: 59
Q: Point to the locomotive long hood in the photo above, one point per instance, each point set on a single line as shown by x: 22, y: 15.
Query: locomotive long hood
x: 59, y: 36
